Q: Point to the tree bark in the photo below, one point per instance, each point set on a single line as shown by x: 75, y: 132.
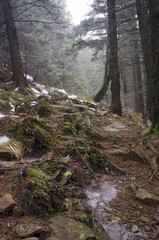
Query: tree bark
x: 17, y: 67
x: 154, y: 25
x: 144, y: 26
x: 99, y: 96
x: 113, y: 63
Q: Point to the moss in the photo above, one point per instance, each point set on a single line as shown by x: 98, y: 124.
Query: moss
x: 155, y: 128
x: 12, y: 126
x: 69, y: 128
x: 48, y: 136
x: 49, y: 167
x: 39, y: 195
x: 95, y: 158
x: 82, y: 218
x: 44, y: 110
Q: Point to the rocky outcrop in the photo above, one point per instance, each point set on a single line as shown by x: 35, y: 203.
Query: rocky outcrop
x: 69, y: 229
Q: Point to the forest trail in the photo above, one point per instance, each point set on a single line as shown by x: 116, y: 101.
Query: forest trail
x: 91, y: 143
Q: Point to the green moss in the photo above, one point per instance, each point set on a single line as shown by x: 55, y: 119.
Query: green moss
x: 48, y: 136
x: 44, y: 110
x: 155, y: 128
x: 84, y: 150
x: 39, y: 193
x: 49, y: 167
x: 82, y: 218
x: 69, y: 128
x: 12, y: 126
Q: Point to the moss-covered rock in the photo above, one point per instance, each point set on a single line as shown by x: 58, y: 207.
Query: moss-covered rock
x: 39, y: 194
x: 44, y: 110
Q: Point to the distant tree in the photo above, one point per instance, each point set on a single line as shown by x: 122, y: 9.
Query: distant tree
x: 17, y: 66
x: 113, y: 60
x: 154, y: 25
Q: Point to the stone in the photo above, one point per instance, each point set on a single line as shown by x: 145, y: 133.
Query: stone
x: 147, y: 228
x: 69, y: 229
x: 135, y: 229
x: 28, y: 230
x: 132, y: 178
x: 7, y: 203
x: 17, y: 211
x: 145, y: 219
x: 144, y: 195
x: 156, y: 218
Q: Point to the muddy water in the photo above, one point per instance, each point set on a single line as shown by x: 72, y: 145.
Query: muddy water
x: 99, y: 196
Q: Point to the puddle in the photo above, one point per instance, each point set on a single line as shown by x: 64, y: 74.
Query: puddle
x: 115, y: 126
x: 4, y: 140
x: 98, y: 200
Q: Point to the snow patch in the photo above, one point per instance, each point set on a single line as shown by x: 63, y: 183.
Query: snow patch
x: 4, y: 140
x: 28, y: 77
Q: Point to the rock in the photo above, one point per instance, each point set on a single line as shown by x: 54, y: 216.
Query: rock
x: 135, y: 229
x: 7, y: 203
x: 27, y: 230
x: 17, y: 211
x: 69, y: 229
x: 156, y: 218
x: 8, y: 164
x: 79, y: 206
x: 145, y: 219
x: 144, y: 195
x: 147, y: 228
x: 132, y: 178
x: 67, y: 175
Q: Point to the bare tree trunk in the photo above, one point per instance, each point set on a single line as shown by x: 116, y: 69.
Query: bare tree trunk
x: 142, y: 12
x: 113, y: 63
x: 17, y: 67
x: 154, y: 24
x: 140, y: 102
x: 99, y: 96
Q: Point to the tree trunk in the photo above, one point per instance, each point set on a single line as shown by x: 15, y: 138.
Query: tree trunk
x: 17, y: 67
x: 140, y: 102
x: 144, y: 26
x: 113, y: 63
x: 99, y: 96
x: 154, y: 25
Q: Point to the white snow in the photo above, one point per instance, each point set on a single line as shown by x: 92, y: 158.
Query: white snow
x: 4, y: 140
x: 28, y: 77
x: 16, y: 89
x: 58, y: 90
x: 72, y: 96
x: 12, y: 106
x: 9, y: 82
x: 2, y: 115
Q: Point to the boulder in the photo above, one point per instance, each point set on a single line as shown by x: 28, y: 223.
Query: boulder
x: 7, y: 203
x: 69, y: 229
x: 143, y: 195
x: 27, y: 230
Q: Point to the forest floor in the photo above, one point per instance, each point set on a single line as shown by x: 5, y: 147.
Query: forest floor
x: 82, y: 130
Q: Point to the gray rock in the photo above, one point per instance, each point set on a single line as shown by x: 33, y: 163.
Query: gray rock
x: 7, y: 203
x: 135, y: 229
x: 69, y: 229
x: 144, y: 195
x: 27, y: 230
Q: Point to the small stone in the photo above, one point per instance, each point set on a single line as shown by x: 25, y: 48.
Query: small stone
x: 147, y: 228
x: 145, y: 219
x: 27, y: 230
x: 132, y: 178
x: 17, y: 211
x: 7, y: 203
x: 120, y: 181
x: 156, y: 218
x: 135, y: 229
